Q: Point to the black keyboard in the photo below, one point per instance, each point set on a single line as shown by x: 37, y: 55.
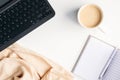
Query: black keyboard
x: 19, y: 17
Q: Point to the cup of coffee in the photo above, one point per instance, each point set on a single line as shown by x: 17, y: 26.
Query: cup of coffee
x: 90, y: 16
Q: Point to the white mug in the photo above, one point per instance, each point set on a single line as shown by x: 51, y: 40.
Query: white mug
x: 90, y: 16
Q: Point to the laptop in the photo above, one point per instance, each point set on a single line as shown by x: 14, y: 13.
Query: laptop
x: 19, y: 17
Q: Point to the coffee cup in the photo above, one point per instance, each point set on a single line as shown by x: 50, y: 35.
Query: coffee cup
x: 90, y: 16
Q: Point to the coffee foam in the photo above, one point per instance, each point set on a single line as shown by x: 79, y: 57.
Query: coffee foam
x: 90, y: 16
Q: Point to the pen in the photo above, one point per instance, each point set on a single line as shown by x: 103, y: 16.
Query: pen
x: 107, y: 64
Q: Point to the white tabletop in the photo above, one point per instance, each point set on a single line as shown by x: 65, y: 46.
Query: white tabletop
x: 62, y: 38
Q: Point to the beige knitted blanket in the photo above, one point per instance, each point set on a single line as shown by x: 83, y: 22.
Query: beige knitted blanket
x: 17, y: 63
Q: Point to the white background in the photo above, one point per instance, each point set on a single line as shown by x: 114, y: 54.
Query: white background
x: 62, y: 38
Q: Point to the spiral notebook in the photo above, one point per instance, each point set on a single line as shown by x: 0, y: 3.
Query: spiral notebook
x: 112, y: 70
x: 98, y: 61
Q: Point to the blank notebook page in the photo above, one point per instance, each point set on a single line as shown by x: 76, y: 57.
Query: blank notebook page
x: 93, y: 59
x: 113, y: 71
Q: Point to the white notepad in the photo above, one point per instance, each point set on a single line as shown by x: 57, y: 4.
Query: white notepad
x: 93, y: 59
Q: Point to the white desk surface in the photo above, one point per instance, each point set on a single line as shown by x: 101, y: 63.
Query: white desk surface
x: 62, y: 38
